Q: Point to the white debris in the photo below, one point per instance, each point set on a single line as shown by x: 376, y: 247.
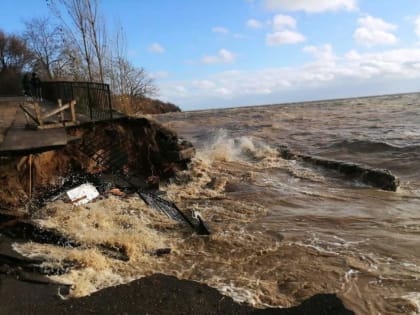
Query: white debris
x: 82, y: 194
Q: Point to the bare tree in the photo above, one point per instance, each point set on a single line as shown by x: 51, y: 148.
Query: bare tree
x: 87, y: 31
x: 102, y: 56
x: 74, y: 69
x: 13, y: 52
x: 124, y: 77
x: 14, y: 58
x: 132, y: 81
x: 45, y: 41
x: 76, y: 34
x: 97, y: 34
x: 117, y: 51
x: 130, y: 86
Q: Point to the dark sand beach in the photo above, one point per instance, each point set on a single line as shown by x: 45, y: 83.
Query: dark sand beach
x: 157, y: 294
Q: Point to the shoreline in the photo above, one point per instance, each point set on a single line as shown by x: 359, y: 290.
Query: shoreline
x: 26, y: 290
x: 300, y: 103
x: 155, y: 294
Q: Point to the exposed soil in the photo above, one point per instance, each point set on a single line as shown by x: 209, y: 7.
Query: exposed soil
x: 132, y: 147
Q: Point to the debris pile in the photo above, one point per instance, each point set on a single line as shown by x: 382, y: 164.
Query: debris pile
x: 121, y: 157
x: 137, y: 149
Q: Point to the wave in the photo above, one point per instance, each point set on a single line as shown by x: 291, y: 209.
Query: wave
x: 367, y: 146
x: 222, y: 147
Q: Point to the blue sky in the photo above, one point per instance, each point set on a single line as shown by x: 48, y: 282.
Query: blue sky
x: 220, y: 53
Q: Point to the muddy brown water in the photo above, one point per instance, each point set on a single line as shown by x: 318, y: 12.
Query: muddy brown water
x: 336, y: 236
x: 282, y: 230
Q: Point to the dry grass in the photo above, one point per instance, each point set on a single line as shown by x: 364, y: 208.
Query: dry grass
x: 142, y: 105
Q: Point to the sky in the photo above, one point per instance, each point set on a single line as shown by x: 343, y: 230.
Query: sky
x: 228, y: 53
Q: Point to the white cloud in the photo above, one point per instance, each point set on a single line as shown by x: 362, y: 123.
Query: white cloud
x: 327, y: 76
x: 253, y: 23
x: 311, y: 6
x: 180, y: 90
x: 159, y: 75
x: 283, y: 31
x: 223, y: 91
x: 284, y: 37
x: 203, y: 84
x: 281, y: 22
x: 156, y: 48
x: 375, y: 31
x: 324, y: 52
x: 223, y: 56
x: 220, y: 29
x: 353, y: 55
x: 417, y: 25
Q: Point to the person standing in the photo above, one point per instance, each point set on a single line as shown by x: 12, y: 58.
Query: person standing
x: 26, y: 85
x: 36, y: 86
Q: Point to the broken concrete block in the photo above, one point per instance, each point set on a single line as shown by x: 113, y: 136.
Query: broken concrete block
x: 82, y: 194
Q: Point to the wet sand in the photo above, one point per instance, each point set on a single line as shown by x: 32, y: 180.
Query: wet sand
x: 156, y: 294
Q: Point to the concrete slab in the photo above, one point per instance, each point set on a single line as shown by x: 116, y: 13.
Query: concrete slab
x: 16, y: 138
x: 20, y: 140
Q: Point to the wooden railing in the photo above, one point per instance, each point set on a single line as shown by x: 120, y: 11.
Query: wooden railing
x: 33, y: 111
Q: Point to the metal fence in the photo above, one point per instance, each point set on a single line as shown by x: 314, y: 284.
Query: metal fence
x: 92, y: 99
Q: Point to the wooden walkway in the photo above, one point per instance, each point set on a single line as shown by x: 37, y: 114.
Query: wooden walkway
x: 17, y: 138
x: 8, y: 108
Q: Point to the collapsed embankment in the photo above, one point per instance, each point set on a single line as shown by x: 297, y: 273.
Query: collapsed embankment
x: 139, y: 148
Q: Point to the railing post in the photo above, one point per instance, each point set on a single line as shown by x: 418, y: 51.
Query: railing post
x: 89, y: 101
x: 109, y: 100
x: 60, y: 104
x: 38, y: 114
x: 73, y: 110
x: 60, y: 90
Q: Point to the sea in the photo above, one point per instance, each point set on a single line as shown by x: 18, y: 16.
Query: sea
x: 281, y: 230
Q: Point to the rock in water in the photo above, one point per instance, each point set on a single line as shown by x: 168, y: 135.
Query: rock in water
x: 379, y: 178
